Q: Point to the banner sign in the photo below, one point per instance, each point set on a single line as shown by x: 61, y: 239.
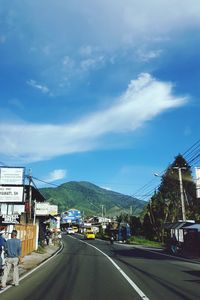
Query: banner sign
x: 11, y: 176
x: 72, y: 215
x: 11, y: 194
x: 197, y: 171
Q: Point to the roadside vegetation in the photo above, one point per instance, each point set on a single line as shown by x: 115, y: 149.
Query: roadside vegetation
x: 136, y: 240
x: 164, y: 207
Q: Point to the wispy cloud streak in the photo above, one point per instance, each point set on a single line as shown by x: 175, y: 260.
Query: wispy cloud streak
x: 144, y: 99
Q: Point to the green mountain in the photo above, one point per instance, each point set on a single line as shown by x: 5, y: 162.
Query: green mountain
x: 91, y: 199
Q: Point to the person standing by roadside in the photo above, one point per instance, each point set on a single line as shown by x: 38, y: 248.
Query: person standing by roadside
x: 2, y: 250
x: 2, y: 239
x: 13, y: 250
x: 174, y: 244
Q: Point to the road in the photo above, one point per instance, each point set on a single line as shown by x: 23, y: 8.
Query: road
x: 97, y: 270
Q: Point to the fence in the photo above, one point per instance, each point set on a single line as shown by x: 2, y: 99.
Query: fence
x: 27, y: 235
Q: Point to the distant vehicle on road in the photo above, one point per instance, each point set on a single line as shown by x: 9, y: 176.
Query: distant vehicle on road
x: 70, y: 230
x: 75, y: 229
x: 89, y: 235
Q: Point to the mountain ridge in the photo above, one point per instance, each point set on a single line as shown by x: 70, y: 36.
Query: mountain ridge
x: 91, y: 199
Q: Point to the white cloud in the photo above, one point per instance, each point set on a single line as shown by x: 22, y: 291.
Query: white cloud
x: 67, y: 62
x: 86, y: 50
x: 102, y: 24
x: 144, y: 99
x: 43, y: 88
x: 106, y: 188
x: 106, y: 30
x: 148, y: 55
x: 56, y: 175
x: 92, y: 63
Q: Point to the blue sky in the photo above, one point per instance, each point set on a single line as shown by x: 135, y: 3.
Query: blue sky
x: 105, y: 91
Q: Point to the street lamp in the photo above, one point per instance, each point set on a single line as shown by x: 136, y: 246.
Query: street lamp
x: 157, y: 175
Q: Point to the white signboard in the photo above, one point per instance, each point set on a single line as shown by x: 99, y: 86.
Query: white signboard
x: 53, y: 210
x: 11, y: 209
x: 18, y: 209
x: 11, y: 194
x: 10, y: 219
x: 45, y: 209
x: 11, y: 176
x: 197, y: 171
x: 42, y: 208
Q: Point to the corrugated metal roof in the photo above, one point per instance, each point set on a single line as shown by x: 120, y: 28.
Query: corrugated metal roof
x: 176, y: 225
x: 194, y: 226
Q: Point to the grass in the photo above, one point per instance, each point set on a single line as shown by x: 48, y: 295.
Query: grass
x: 142, y: 241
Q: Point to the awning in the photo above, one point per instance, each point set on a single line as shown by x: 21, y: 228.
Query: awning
x: 177, y: 225
x: 194, y: 226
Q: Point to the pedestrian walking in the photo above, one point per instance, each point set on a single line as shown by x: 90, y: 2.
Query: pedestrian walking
x: 2, y: 239
x: 48, y: 236
x: 13, y: 251
x: 2, y: 251
x: 174, y: 244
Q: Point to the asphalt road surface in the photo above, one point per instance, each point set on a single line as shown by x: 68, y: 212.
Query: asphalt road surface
x: 94, y: 270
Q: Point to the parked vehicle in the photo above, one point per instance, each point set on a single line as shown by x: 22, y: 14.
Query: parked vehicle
x: 75, y: 229
x: 70, y: 230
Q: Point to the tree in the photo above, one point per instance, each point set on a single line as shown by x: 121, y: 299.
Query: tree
x: 135, y: 225
x: 165, y: 204
x: 170, y: 189
x: 148, y: 230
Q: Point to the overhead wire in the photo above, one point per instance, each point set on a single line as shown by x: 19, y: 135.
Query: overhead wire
x: 190, y: 150
x: 49, y: 183
x: 192, y: 155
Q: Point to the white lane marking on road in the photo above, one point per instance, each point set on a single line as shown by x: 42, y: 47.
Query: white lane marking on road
x: 33, y: 270
x: 134, y: 286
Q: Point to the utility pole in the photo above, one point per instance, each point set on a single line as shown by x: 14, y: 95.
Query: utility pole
x: 197, y: 172
x: 102, y: 210
x: 131, y: 210
x: 181, y: 190
x: 34, y: 218
x: 30, y: 192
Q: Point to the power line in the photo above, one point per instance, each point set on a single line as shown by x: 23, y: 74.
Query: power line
x: 192, y: 155
x: 49, y: 183
x: 188, y: 150
x: 144, y: 187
